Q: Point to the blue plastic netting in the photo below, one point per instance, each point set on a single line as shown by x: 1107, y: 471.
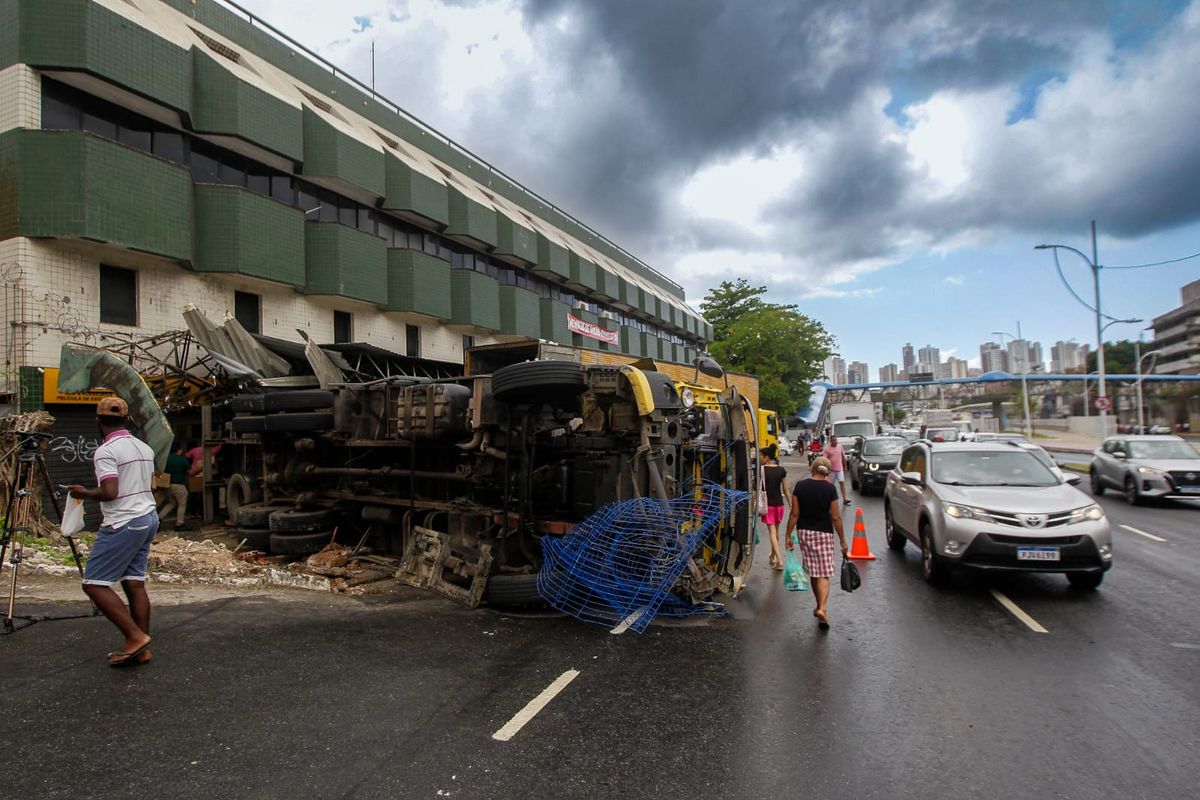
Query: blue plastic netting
x: 621, y: 562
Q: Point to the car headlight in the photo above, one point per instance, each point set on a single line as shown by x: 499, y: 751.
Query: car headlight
x: 873, y: 467
x: 688, y: 397
x: 1087, y: 513
x: 967, y: 512
x: 1150, y: 471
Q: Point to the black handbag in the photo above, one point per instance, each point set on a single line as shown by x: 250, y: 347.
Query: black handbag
x: 851, y: 580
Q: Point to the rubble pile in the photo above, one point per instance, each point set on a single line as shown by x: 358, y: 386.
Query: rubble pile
x: 349, y: 571
x: 191, y: 559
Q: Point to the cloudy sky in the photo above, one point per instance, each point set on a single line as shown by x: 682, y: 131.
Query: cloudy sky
x: 887, y: 166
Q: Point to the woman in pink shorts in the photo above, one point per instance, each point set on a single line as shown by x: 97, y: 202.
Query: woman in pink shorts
x: 775, y: 483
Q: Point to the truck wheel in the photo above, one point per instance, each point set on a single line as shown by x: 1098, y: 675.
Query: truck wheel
x: 252, y: 403
x: 512, y: 590
x: 239, y: 491
x: 255, y: 538
x: 291, y: 521
x: 299, y: 400
x: 247, y: 424
x: 299, y: 544
x: 254, y: 515
x: 298, y: 421
x: 537, y: 380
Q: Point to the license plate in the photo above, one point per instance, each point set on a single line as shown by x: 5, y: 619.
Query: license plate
x: 1037, y: 554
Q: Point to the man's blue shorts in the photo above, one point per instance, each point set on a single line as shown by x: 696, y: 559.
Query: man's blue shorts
x: 121, y: 554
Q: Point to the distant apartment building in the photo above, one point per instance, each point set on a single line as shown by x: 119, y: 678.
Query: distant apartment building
x: 1025, y: 357
x: 956, y: 367
x: 908, y: 357
x: 835, y: 370
x: 889, y: 373
x: 992, y: 358
x: 858, y: 372
x: 1068, y: 357
x: 929, y: 355
x: 1177, y: 335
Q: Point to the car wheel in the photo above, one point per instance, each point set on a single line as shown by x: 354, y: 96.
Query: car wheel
x: 1097, y: 484
x: 931, y: 566
x: 1085, y: 580
x: 854, y: 484
x: 895, y: 537
x: 1131, y: 491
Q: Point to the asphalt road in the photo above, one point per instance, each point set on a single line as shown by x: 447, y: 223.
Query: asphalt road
x: 915, y: 692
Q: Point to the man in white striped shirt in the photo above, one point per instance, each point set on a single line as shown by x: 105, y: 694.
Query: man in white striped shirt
x: 124, y: 472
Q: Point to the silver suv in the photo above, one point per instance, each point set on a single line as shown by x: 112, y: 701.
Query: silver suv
x: 996, y: 507
x: 1146, y: 466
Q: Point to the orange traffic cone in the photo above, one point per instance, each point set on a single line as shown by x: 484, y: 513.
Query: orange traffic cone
x: 859, y: 549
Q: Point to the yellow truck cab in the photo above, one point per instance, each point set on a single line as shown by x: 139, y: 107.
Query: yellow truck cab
x: 769, y: 429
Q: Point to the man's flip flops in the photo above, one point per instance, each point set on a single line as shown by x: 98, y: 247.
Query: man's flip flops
x: 123, y: 659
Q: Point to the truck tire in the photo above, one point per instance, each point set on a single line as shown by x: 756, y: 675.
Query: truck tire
x: 247, y: 424
x: 299, y: 544
x: 252, y: 403
x: 255, y: 538
x: 512, y: 590
x: 299, y: 400
x: 298, y: 421
x: 537, y: 380
x: 255, y: 515
x: 288, y: 521
x: 239, y: 491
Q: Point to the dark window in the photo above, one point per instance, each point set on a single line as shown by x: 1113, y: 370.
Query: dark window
x: 118, y: 295
x: 282, y: 189
x: 366, y: 220
x: 99, y: 125
x: 430, y: 244
x: 59, y: 113
x: 204, y: 166
x: 258, y: 178
x: 387, y: 231
x: 135, y: 136
x: 412, y: 336
x: 247, y: 309
x: 170, y: 145
x: 347, y: 212
x: 343, y: 326
x: 231, y: 171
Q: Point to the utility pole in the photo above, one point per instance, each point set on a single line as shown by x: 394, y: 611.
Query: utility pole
x: 1102, y: 388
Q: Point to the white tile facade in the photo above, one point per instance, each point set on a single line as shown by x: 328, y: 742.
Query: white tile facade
x: 50, y: 294
x: 20, y: 98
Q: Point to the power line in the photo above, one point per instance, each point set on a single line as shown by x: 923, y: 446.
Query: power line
x: 1157, y: 263
x: 1067, y: 284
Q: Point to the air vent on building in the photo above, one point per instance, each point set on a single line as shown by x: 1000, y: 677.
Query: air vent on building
x: 324, y: 105
x: 218, y: 48
x: 389, y: 141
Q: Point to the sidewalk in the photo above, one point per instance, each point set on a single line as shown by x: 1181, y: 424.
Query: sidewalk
x: 1065, y: 441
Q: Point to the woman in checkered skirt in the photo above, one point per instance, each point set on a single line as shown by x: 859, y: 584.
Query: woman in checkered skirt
x: 817, y: 514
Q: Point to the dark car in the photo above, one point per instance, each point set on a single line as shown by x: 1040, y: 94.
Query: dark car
x: 869, y: 467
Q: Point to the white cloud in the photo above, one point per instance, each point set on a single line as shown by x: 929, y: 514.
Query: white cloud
x: 954, y: 280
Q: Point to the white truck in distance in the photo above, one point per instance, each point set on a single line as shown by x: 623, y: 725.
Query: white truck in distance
x: 850, y: 420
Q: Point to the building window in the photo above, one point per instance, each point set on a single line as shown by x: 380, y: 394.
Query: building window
x: 468, y: 343
x: 343, y: 326
x: 118, y: 295
x: 247, y: 310
x: 412, y: 336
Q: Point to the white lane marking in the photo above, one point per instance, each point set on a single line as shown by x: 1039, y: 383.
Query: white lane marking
x: 1132, y: 529
x: 1018, y: 612
x: 1185, y: 645
x: 624, y: 624
x: 535, y: 705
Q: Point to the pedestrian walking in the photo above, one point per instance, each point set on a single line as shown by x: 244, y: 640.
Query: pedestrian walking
x: 124, y: 469
x: 837, y: 465
x: 178, y: 465
x: 817, y: 516
x: 775, y: 481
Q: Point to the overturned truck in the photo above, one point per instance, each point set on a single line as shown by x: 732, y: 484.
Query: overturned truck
x: 465, y: 477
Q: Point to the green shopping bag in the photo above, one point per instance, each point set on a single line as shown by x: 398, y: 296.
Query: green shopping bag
x: 795, y: 579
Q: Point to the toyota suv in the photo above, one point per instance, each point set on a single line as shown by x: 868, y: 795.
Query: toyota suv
x: 993, y: 507
x: 1146, y: 467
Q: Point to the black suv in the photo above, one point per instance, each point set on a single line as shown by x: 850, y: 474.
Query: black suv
x: 870, y: 464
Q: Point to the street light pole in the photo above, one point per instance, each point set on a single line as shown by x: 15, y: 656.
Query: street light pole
x: 1153, y: 355
x: 1102, y: 389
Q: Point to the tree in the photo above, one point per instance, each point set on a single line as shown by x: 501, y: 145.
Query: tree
x: 783, y: 348
x: 729, y: 302
x: 1118, y: 358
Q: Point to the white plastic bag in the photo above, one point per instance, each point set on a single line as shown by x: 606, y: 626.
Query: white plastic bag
x: 72, y: 521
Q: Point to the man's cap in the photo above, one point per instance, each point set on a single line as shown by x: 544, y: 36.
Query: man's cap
x: 112, y: 407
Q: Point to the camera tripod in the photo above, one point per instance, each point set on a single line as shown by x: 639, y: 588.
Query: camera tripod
x: 16, y: 522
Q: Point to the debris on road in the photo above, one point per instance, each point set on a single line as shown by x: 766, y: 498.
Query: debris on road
x: 192, y: 559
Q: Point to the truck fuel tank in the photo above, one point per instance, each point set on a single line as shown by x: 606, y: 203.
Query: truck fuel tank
x: 432, y: 411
